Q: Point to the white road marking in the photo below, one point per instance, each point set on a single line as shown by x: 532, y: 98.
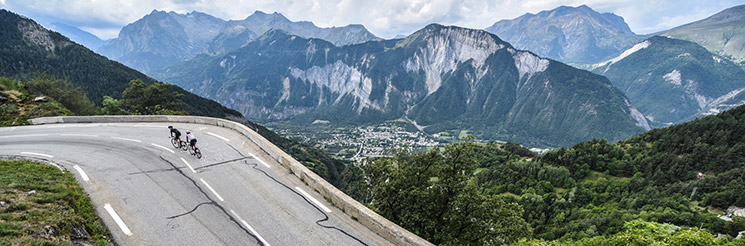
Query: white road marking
x: 213, y: 190
x: 259, y: 159
x: 218, y: 136
x: 117, y: 219
x: 57, y: 166
x: 82, y: 173
x: 242, y: 143
x: 128, y: 139
x: 159, y: 146
x: 187, y: 164
x: 201, y: 128
x: 26, y: 135
x: 314, y: 200
x: 39, y: 154
x: 80, y: 135
x: 250, y: 228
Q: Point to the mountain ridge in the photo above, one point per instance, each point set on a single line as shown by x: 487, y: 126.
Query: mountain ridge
x: 443, y: 77
x: 574, y: 35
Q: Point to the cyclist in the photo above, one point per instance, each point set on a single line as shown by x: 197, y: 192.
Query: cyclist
x: 175, y: 133
x: 191, y: 139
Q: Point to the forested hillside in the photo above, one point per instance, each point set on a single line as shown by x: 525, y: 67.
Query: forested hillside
x: 591, y: 189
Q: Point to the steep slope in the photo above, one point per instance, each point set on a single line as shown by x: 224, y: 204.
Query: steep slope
x: 238, y: 33
x: 672, y: 81
x: 28, y: 49
x: 84, y: 38
x: 722, y: 33
x: 575, y: 35
x: 441, y: 77
x: 162, y: 38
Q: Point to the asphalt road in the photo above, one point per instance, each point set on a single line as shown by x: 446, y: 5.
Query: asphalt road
x: 234, y: 195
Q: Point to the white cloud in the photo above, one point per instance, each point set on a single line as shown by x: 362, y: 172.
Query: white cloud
x: 385, y: 18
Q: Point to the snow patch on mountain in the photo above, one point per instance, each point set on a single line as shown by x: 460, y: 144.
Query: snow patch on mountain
x: 717, y: 59
x: 673, y: 77
x: 449, y: 47
x: 342, y: 78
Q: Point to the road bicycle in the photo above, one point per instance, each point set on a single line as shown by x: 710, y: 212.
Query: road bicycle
x: 175, y: 143
x: 195, y: 152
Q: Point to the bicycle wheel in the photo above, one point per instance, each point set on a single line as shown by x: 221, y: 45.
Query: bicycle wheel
x: 184, y: 146
x: 174, y: 142
x: 197, y: 153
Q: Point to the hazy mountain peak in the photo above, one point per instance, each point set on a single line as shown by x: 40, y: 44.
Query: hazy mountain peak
x: 577, y: 35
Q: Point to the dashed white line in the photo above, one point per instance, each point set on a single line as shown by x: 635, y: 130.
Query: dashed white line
x: 39, y: 154
x: 213, y: 190
x: 250, y: 228
x: 218, y: 136
x: 80, y: 135
x: 128, y: 139
x: 160, y: 146
x: 313, y: 200
x: 25, y: 135
x: 259, y: 159
x: 187, y: 164
x: 82, y: 173
x: 117, y: 219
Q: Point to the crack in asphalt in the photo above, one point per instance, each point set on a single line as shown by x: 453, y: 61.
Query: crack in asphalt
x: 154, y: 171
x: 212, y: 201
x: 318, y: 222
x: 219, y: 163
x: 192, y: 210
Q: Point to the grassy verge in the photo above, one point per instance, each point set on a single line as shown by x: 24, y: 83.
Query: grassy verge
x: 43, y: 206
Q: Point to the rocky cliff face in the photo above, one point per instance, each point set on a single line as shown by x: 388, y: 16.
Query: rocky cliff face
x: 576, y: 35
x: 440, y: 77
x: 672, y: 81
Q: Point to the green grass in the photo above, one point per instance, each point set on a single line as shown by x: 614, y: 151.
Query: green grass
x: 49, y: 216
x: 463, y: 134
x: 594, y: 176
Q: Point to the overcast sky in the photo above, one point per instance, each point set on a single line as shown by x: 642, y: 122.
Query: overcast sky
x: 384, y: 18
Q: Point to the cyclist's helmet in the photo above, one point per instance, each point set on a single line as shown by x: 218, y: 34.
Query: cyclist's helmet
x: 170, y: 127
x: 187, y: 132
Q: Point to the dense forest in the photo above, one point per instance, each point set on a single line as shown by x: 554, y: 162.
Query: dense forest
x: 683, y: 175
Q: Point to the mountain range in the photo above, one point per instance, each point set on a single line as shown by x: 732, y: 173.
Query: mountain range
x: 438, y: 78
x: 574, y: 35
x: 163, y: 38
x: 672, y: 80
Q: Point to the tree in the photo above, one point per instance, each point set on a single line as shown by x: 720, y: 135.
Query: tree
x: 112, y: 106
x: 156, y: 98
x: 433, y: 195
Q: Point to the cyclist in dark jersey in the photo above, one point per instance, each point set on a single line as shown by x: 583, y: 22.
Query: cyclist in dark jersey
x: 175, y: 133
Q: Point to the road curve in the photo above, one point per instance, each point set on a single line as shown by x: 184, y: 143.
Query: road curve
x: 149, y: 193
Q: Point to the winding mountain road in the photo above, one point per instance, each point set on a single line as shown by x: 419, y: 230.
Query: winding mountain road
x: 149, y: 193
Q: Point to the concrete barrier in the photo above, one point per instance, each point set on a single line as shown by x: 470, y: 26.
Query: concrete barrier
x: 376, y: 223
